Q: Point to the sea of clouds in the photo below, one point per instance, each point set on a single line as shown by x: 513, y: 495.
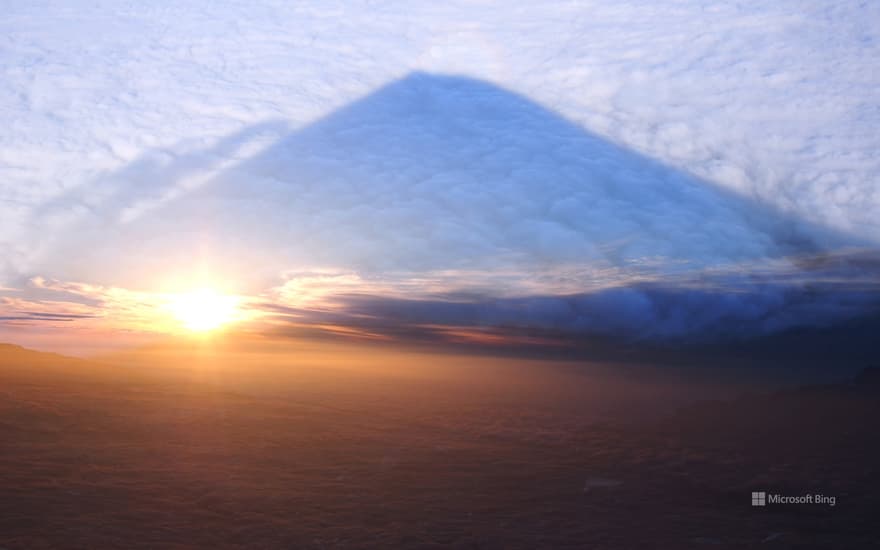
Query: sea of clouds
x: 647, y: 169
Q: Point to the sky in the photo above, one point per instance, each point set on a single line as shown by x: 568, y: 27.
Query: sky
x: 476, y: 171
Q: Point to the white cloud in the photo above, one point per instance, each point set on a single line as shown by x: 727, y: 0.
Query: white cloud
x: 135, y: 143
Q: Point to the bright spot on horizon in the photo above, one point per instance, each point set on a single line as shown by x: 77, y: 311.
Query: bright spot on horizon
x: 204, y: 309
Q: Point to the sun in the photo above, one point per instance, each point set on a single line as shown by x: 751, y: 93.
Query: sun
x: 203, y: 310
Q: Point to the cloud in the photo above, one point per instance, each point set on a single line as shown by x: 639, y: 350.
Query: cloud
x: 451, y: 203
x: 599, y: 312
x: 767, y: 103
x: 737, y: 302
x: 427, y: 173
x: 101, y: 309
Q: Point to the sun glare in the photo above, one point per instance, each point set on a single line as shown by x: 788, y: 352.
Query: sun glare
x: 203, y: 310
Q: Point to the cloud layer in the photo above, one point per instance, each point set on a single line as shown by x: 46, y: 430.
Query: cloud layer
x: 427, y: 173
x: 585, y: 172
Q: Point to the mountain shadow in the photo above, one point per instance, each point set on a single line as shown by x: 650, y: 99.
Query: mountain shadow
x: 445, y: 174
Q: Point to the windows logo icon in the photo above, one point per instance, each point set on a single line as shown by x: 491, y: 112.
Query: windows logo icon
x: 759, y: 498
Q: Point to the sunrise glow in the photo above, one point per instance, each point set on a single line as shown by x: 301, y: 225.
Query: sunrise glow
x: 203, y: 310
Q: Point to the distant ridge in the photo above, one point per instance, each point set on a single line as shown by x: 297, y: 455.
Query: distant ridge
x: 17, y: 358
x: 10, y: 352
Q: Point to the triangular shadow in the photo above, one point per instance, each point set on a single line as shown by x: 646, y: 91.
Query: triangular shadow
x: 434, y: 172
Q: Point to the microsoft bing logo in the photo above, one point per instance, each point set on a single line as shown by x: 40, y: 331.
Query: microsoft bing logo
x: 760, y: 498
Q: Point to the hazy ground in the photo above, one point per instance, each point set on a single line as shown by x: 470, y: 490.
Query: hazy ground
x: 281, y: 447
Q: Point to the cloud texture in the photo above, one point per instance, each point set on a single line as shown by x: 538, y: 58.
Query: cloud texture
x: 589, y: 171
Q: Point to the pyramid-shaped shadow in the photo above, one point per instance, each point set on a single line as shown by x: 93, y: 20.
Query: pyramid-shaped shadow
x: 439, y: 172
x: 448, y: 173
